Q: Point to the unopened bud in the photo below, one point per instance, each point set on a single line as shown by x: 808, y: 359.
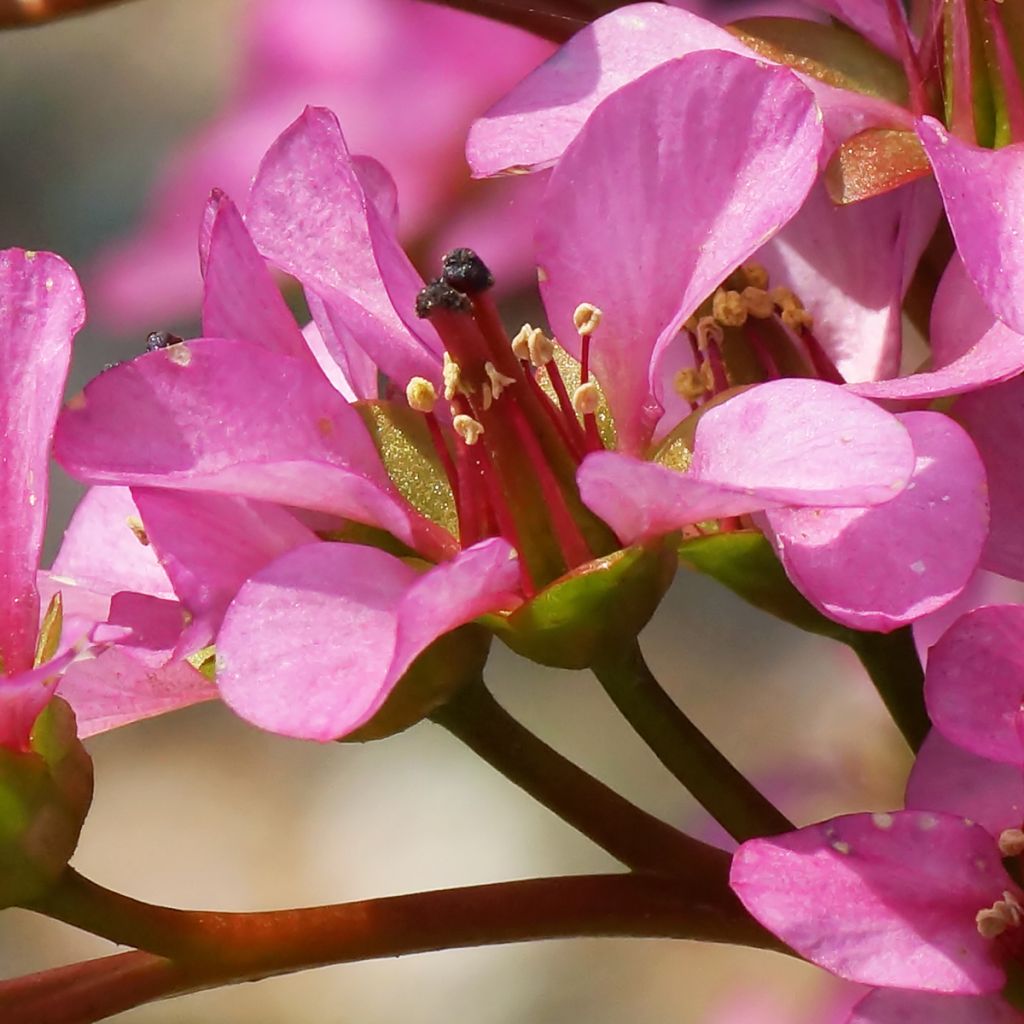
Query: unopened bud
x: 421, y: 395
x: 587, y: 318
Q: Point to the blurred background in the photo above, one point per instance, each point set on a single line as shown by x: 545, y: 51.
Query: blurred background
x: 113, y: 129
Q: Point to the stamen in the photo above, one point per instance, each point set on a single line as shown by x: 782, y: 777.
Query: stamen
x: 486, y: 396
x: 587, y: 319
x: 1011, y: 842
x: 689, y: 386
x: 758, y: 302
x: 1001, y: 916
x: 521, y: 343
x: 422, y: 395
x: 452, y: 374
x: 728, y: 308
x: 586, y: 399
x: 498, y: 381
x: 467, y: 428
x: 134, y: 523
x: 756, y: 275
x: 541, y: 348
x: 1012, y: 90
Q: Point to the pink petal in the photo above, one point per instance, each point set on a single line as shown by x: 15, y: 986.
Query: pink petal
x: 880, y: 568
x: 643, y: 217
x: 240, y: 298
x: 851, y: 265
x: 231, y: 417
x: 118, y: 688
x: 340, y: 347
x: 886, y: 1006
x: 994, y: 418
x: 210, y: 544
x: 947, y: 778
x: 310, y: 216
x: 23, y: 696
x: 970, y: 347
x: 315, y: 642
x: 41, y: 310
x: 974, y: 685
x: 982, y: 190
x: 786, y: 442
x: 884, y: 899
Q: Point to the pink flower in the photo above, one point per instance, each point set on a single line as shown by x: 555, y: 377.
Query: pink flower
x: 407, y: 77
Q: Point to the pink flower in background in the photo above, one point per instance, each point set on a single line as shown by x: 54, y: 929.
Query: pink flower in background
x: 407, y: 79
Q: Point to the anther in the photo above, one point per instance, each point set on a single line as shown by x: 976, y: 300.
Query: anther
x: 466, y: 272
x: 796, y: 318
x: 452, y: 376
x: 134, y: 523
x: 467, y: 428
x: 756, y: 275
x: 587, y: 318
x: 1001, y: 916
x: 688, y: 385
x: 540, y: 347
x: 161, y: 339
x: 586, y: 398
x: 421, y: 395
x: 439, y: 295
x: 709, y: 332
x: 1011, y: 842
x: 498, y: 381
x: 758, y: 302
x: 728, y: 308
x: 521, y: 343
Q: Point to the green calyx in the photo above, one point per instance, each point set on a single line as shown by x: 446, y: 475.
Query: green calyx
x: 601, y: 605
x: 45, y: 794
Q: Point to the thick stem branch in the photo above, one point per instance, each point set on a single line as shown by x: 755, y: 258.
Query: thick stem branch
x: 892, y: 662
x: 685, y: 751
x: 221, y: 949
x: 637, y: 839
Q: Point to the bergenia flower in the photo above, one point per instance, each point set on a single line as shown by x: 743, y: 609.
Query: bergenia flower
x: 259, y: 411
x: 920, y: 899
x: 342, y: 54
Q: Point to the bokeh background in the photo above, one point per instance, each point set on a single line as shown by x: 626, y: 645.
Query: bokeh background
x: 200, y: 810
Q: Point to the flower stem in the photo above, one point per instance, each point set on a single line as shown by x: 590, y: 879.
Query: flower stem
x: 892, y: 662
x: 685, y: 751
x: 637, y: 839
x: 220, y: 949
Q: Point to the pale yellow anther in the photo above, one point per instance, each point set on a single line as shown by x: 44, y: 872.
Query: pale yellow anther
x: 587, y: 317
x: 728, y: 308
x: 134, y: 523
x: 784, y: 298
x: 541, y: 348
x: 1011, y: 842
x: 521, y: 343
x: 691, y: 324
x: 756, y: 275
x: 452, y: 377
x: 497, y: 380
x: 709, y: 331
x: 421, y: 395
x: 486, y: 396
x: 759, y: 302
x: 689, y: 385
x: 586, y: 398
x: 1002, y: 915
x: 796, y: 318
x: 467, y: 428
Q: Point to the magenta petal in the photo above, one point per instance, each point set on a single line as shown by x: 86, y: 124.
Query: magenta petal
x: 974, y: 685
x: 210, y: 544
x: 883, y: 899
x: 532, y: 125
x: 315, y: 642
x: 994, y: 418
x: 850, y: 266
x: 643, y: 217
x: 41, y: 310
x: 231, y: 417
x: 24, y: 695
x: 240, y: 297
x: 983, y: 190
x: 118, y: 688
x: 880, y: 568
x: 309, y: 215
x: 946, y: 777
x: 886, y: 1006
x: 970, y: 347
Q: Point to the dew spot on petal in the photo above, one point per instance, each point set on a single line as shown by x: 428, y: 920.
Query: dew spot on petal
x: 926, y: 822
x: 882, y: 821
x: 841, y: 847
x: 181, y: 355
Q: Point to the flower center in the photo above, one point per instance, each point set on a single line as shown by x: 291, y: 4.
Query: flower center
x: 512, y: 445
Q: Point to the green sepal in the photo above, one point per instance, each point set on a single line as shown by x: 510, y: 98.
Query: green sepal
x: 205, y: 660
x: 45, y: 793
x: 744, y: 561
x: 452, y: 661
x: 403, y: 441
x: 600, y: 606
x: 831, y: 53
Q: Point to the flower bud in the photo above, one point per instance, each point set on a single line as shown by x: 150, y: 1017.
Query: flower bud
x: 45, y: 793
